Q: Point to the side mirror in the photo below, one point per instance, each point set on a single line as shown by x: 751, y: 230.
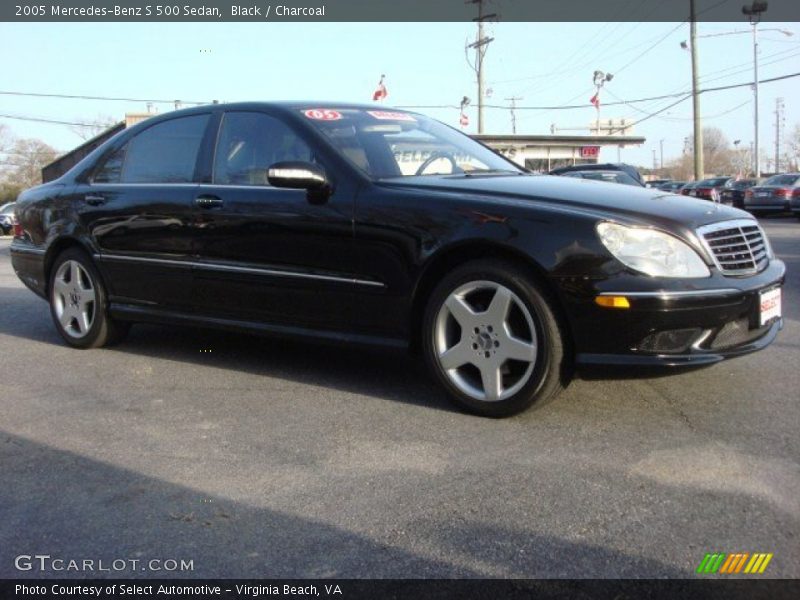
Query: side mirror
x: 297, y: 175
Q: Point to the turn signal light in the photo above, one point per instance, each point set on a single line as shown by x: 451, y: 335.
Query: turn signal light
x: 612, y: 301
x: 17, y: 228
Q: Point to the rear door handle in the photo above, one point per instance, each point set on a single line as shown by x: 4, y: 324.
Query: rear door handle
x: 208, y: 201
x: 95, y: 200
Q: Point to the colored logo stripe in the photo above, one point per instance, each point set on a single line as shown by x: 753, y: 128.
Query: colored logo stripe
x: 734, y: 563
x: 711, y: 562
x: 758, y: 563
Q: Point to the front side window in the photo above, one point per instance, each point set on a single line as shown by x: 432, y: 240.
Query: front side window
x: 387, y: 144
x: 249, y: 143
x: 164, y: 153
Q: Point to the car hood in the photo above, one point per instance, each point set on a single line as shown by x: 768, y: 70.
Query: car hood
x: 600, y: 198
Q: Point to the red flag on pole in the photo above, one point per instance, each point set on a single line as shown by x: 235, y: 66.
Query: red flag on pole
x: 463, y: 120
x: 380, y: 93
x: 595, y: 100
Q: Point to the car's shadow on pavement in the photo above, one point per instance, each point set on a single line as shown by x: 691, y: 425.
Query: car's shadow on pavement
x: 70, y: 506
x: 390, y: 374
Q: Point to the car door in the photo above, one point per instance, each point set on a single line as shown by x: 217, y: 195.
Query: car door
x: 264, y: 253
x: 137, y: 209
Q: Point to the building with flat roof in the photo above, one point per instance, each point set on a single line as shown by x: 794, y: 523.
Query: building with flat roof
x: 543, y: 153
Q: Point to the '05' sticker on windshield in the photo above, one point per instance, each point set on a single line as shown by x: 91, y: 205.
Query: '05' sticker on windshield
x: 323, y: 114
x: 391, y: 116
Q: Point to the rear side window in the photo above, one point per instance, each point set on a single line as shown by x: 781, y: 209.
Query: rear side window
x: 164, y: 153
x: 249, y: 143
x: 782, y: 180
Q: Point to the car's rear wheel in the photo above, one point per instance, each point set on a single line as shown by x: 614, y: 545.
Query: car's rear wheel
x: 492, y: 339
x: 78, y: 302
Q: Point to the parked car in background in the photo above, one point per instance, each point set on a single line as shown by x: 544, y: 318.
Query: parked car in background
x: 733, y: 193
x: 630, y: 170
x: 688, y: 189
x: 608, y: 176
x: 7, y: 218
x: 672, y: 186
x: 656, y: 183
x: 711, y: 189
x: 357, y: 224
x: 775, y: 195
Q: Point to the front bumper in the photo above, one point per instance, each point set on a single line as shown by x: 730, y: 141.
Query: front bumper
x: 718, y: 318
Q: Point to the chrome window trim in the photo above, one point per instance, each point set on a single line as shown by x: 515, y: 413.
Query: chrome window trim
x: 237, y: 269
x: 144, y: 184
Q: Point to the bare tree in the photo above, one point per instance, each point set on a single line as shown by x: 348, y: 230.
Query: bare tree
x: 793, y: 149
x: 92, y: 127
x: 6, y: 139
x: 21, y: 165
x: 718, y: 157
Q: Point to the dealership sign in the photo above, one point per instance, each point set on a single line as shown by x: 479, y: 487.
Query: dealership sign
x: 590, y: 151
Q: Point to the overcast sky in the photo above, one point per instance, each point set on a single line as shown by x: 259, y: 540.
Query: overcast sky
x: 546, y: 64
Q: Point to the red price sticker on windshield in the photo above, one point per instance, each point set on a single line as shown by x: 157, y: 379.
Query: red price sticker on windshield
x: 391, y: 116
x: 323, y: 114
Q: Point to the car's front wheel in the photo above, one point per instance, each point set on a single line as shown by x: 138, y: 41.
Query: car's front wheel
x: 492, y: 339
x: 78, y: 302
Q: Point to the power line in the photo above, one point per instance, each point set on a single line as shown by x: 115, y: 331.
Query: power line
x: 43, y: 120
x: 705, y: 117
x: 495, y: 106
x: 110, y: 98
x: 577, y: 106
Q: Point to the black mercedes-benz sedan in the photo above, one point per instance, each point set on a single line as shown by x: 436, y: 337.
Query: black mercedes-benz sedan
x: 360, y: 224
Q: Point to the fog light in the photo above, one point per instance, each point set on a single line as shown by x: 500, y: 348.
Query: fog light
x: 612, y: 301
x: 673, y: 341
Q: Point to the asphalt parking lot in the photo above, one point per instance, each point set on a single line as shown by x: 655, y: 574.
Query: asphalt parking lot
x: 261, y: 458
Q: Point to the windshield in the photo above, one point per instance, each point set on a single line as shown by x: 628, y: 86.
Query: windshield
x: 781, y: 180
x: 743, y: 184
x: 714, y: 182
x: 388, y: 144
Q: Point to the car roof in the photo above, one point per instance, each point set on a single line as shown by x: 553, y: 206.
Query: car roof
x: 282, y: 106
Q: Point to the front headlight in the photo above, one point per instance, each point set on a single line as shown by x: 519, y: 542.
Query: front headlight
x: 654, y: 253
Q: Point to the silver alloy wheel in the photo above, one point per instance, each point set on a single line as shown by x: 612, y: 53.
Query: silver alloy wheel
x: 491, y: 352
x: 74, y: 299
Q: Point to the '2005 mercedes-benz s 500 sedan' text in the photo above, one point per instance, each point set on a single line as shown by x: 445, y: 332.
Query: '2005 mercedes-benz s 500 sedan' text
x: 366, y: 225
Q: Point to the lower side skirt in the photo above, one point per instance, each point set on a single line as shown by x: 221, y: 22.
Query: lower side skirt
x: 143, y: 314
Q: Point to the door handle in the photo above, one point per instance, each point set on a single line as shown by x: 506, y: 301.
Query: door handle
x: 95, y: 200
x: 208, y: 201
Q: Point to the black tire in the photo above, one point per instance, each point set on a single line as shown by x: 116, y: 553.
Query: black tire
x: 551, y: 366
x: 103, y: 330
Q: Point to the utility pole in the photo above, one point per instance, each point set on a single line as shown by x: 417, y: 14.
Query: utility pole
x: 778, y: 122
x: 698, y: 128
x: 661, y: 144
x: 513, y: 101
x: 655, y: 162
x: 754, y: 12
x: 480, y: 45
